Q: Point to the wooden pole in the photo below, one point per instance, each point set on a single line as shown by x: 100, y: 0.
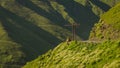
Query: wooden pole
x: 74, y: 25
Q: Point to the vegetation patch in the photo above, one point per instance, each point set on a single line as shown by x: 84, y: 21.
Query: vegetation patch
x: 80, y: 55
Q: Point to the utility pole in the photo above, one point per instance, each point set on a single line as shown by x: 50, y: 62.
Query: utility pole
x: 74, y: 26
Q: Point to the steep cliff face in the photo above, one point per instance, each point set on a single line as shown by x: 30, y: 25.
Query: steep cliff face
x: 108, y: 27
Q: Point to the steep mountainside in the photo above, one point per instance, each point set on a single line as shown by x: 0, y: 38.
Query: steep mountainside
x: 108, y: 26
x: 23, y: 25
x: 38, y: 25
x: 80, y: 55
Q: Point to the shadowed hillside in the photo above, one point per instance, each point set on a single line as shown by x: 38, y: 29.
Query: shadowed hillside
x: 26, y: 33
x: 102, y: 5
x: 81, y: 14
x: 53, y: 16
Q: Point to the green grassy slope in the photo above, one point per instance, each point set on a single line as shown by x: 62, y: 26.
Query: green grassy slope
x: 108, y: 26
x: 80, y: 55
x: 11, y: 55
x: 3, y: 34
